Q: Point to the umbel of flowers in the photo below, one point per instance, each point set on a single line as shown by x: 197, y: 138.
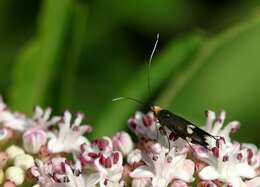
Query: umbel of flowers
x: 54, y: 151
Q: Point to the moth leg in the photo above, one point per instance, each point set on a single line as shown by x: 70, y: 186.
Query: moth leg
x: 187, y: 139
x: 157, y: 133
x: 163, y: 132
x: 157, y: 130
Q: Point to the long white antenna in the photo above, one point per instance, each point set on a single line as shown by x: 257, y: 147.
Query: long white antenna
x: 129, y: 98
x: 149, y: 84
x: 149, y: 65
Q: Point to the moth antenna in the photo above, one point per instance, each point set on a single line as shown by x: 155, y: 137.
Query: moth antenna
x: 128, y: 98
x: 149, y: 65
x: 149, y: 84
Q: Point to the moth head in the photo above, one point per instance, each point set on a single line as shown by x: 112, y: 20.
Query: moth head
x: 156, y: 110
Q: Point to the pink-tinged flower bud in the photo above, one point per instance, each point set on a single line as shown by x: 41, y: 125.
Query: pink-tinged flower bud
x: 9, y: 184
x: 33, y: 139
x: 178, y: 183
x: 15, y: 174
x: 123, y: 142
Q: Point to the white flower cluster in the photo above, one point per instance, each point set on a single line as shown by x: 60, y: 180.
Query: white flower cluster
x: 45, y: 151
x: 225, y: 162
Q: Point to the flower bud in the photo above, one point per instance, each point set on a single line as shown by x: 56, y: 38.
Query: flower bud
x: 179, y: 183
x: 9, y: 184
x: 33, y: 139
x: 134, y: 156
x: 122, y: 142
x: 24, y: 161
x: 15, y: 174
x: 14, y: 151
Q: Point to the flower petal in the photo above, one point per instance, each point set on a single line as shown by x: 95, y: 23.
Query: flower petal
x: 54, y: 146
x: 159, y: 182
x: 92, y: 179
x: 142, y: 182
x: 179, y: 183
x: 211, y: 116
x: 208, y: 173
x: 245, y: 170
x: 255, y: 182
x: 141, y: 172
x: 185, y: 172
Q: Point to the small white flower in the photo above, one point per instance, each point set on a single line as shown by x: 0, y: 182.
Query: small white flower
x: 33, y: 139
x: 146, y: 126
x: 69, y: 137
x: 228, y: 164
x: 214, y: 126
x: 89, y: 152
x: 24, y: 161
x: 143, y: 125
x: 15, y: 121
x: 43, y: 172
x: 15, y: 174
x: 109, y: 170
x: 14, y: 151
x: 253, y: 157
x: 58, y: 172
x: 42, y: 119
x: 122, y: 142
x: 163, y: 166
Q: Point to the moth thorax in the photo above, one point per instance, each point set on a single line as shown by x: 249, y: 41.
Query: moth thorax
x: 156, y: 110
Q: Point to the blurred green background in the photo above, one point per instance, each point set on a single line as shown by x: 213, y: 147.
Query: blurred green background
x: 79, y: 55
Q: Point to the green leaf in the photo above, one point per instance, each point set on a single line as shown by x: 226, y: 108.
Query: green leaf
x: 115, y: 117
x: 36, y: 63
x: 74, y: 54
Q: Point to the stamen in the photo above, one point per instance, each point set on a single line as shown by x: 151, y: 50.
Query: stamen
x: 108, y: 163
x: 215, y: 151
x: 132, y: 123
x: 239, y: 156
x: 225, y: 158
x: 155, y: 158
x: 115, y: 157
x: 169, y: 159
x: 147, y: 120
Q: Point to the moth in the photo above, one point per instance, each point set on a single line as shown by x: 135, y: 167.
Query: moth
x: 181, y: 127
x: 178, y: 125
